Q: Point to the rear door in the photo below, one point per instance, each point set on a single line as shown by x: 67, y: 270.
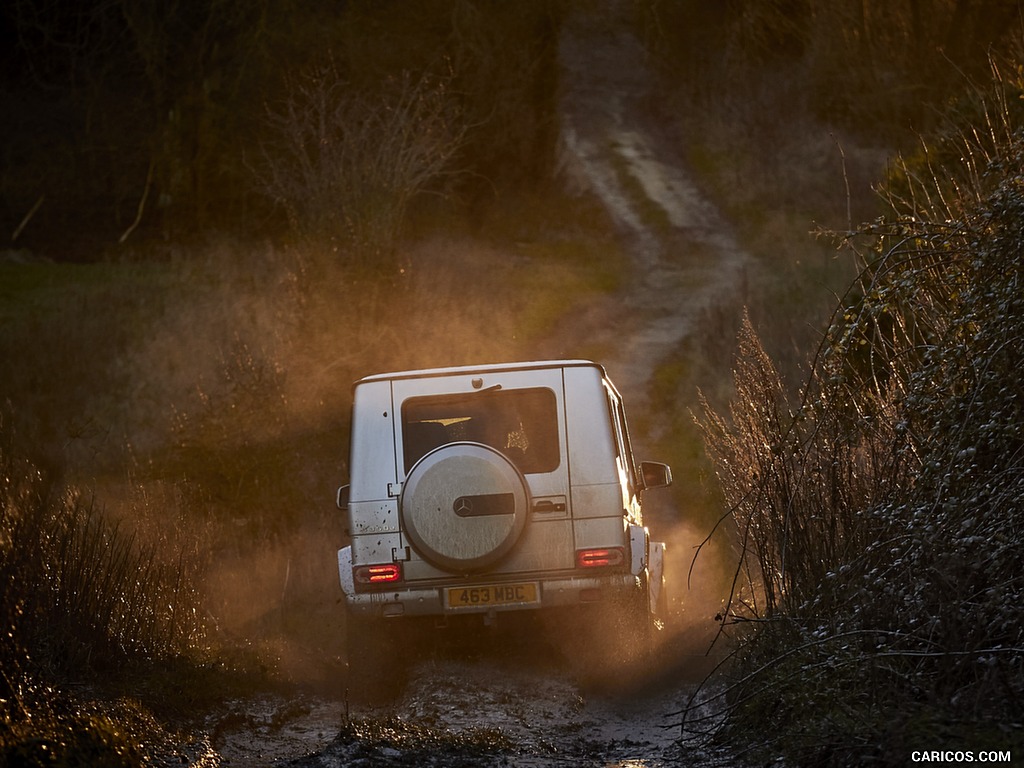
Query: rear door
x: 521, y: 414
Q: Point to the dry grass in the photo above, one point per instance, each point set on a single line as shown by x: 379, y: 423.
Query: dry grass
x: 872, y: 513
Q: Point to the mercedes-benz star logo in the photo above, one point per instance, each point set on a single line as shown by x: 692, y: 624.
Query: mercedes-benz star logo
x: 463, y: 507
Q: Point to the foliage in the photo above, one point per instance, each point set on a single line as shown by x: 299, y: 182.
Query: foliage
x: 78, y: 740
x: 79, y: 591
x: 124, y: 110
x: 345, y: 166
x: 873, y: 65
x: 878, y: 515
x: 129, y: 120
x: 50, y: 728
x: 81, y: 596
x: 504, y: 59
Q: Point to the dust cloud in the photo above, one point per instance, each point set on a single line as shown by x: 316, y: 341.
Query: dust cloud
x: 238, y: 390
x: 241, y: 385
x: 697, y: 583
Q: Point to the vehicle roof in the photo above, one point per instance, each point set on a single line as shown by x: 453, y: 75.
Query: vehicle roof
x: 487, y: 368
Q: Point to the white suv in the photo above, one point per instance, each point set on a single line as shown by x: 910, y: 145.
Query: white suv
x: 488, y: 489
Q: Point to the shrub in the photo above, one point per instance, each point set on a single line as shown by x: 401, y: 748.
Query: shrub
x: 878, y: 515
x: 80, y: 592
x: 345, y: 165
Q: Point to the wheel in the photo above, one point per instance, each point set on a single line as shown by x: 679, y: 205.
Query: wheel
x: 376, y: 661
x: 637, y: 626
x: 608, y: 646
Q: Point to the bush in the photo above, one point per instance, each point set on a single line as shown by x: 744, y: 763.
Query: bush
x: 80, y: 592
x: 345, y: 165
x: 878, y: 515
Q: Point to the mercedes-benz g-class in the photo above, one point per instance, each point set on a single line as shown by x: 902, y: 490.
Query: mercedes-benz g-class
x: 491, y: 489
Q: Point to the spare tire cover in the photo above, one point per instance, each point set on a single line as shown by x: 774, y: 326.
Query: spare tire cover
x: 464, y: 506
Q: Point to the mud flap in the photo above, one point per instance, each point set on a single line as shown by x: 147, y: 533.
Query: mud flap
x: 637, y: 549
x: 656, y: 579
x: 348, y: 585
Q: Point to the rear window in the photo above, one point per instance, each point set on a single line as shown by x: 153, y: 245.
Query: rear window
x: 521, y: 423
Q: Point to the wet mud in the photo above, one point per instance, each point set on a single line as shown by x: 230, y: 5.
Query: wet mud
x: 520, y: 692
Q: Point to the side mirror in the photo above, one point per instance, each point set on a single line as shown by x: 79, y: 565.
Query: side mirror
x: 654, y: 474
x: 342, y: 499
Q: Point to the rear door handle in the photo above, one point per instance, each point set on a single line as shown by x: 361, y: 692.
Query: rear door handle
x: 546, y: 505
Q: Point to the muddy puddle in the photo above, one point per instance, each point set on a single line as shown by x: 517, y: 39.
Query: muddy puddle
x: 495, y: 698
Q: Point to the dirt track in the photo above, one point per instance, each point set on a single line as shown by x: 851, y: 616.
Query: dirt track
x: 508, y: 696
x: 685, y: 260
x: 515, y: 698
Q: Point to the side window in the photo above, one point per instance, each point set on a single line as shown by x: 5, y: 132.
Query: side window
x: 624, y: 452
x: 520, y: 423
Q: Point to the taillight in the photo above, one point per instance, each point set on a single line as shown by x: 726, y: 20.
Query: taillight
x: 601, y: 557
x: 384, y: 573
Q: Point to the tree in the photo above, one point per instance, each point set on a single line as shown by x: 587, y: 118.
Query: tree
x: 199, y: 60
x: 345, y: 165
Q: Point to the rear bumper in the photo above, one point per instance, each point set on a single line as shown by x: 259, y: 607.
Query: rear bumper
x: 554, y: 591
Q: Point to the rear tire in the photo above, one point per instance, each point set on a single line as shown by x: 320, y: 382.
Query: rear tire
x: 609, y: 645
x: 377, y: 667
x: 636, y: 639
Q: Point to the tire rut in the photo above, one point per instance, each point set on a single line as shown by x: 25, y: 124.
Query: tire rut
x: 684, y: 258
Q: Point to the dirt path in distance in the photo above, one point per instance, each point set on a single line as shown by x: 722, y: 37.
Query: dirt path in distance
x: 685, y: 260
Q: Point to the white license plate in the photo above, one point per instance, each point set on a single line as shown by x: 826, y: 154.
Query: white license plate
x: 493, y: 595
